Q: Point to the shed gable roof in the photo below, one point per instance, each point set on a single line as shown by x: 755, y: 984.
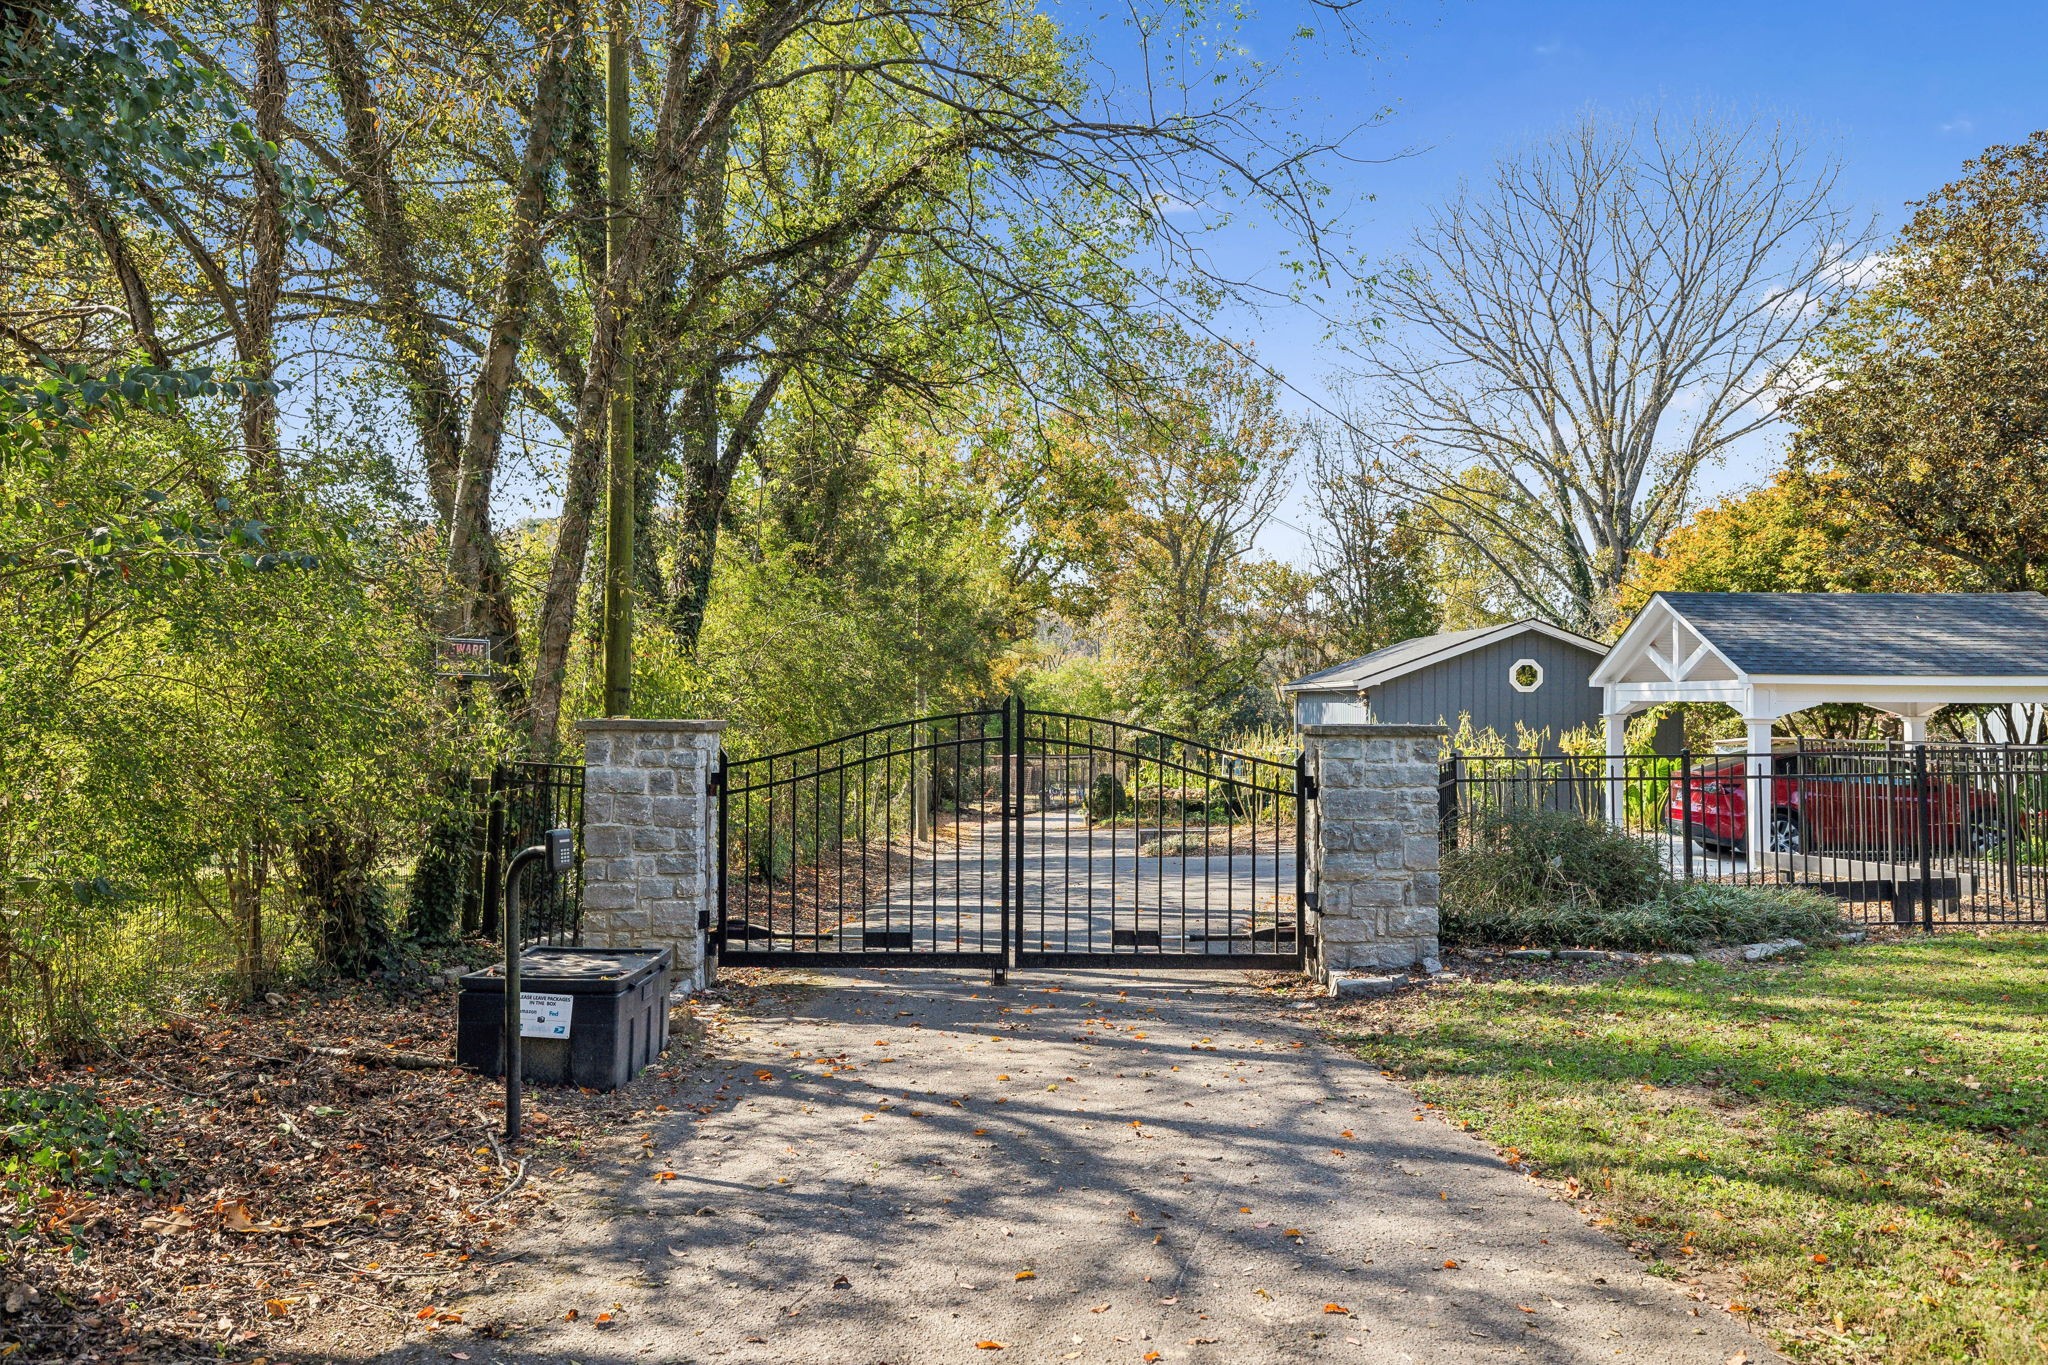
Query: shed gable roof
x: 1409, y: 655
x: 1796, y: 634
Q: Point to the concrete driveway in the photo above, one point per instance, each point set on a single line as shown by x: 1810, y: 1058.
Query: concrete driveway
x: 913, y: 1167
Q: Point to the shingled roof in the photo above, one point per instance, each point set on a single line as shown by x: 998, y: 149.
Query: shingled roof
x: 1409, y: 655
x: 1882, y: 634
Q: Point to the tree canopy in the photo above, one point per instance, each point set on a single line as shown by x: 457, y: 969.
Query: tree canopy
x: 1931, y: 415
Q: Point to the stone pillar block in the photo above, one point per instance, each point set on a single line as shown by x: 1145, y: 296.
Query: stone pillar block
x: 1372, y: 846
x: 649, y: 833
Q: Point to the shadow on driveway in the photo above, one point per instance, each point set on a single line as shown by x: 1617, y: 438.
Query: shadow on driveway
x: 896, y: 1166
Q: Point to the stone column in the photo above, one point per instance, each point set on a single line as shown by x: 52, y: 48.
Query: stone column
x: 649, y: 835
x: 1373, y: 847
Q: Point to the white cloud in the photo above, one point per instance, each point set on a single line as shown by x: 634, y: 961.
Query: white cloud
x: 1961, y: 123
x: 1550, y: 48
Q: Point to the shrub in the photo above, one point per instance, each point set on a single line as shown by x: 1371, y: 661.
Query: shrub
x: 1523, y: 859
x: 62, y: 1136
x: 1552, y: 879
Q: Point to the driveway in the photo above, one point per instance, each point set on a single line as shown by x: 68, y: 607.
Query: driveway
x: 1083, y: 888
x: 912, y: 1166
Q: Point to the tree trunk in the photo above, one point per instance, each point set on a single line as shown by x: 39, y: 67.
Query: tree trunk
x: 266, y: 273
x: 408, y: 326
x: 341, y: 900
x: 475, y: 565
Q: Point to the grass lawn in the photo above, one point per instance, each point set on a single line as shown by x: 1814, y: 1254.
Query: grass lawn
x: 1853, y: 1146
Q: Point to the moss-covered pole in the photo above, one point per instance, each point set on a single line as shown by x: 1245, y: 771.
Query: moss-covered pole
x: 618, y: 573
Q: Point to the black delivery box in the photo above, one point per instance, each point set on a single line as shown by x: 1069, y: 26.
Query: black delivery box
x: 594, y: 1016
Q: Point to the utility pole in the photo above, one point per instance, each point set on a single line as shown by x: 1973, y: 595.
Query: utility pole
x: 618, y: 569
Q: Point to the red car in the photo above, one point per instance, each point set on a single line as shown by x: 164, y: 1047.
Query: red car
x: 1837, y: 802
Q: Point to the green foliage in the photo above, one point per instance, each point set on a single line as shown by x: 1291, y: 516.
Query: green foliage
x: 63, y: 1137
x: 1076, y: 685
x: 1555, y: 879
x: 231, y: 747
x: 96, y: 96
x: 1931, y: 419
x: 1201, y: 456
x: 1682, y: 918
x: 442, y: 893
x: 1522, y: 858
x: 895, y: 604
x: 1779, y: 538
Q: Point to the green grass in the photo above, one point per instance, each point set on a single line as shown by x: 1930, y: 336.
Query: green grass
x: 1854, y: 1146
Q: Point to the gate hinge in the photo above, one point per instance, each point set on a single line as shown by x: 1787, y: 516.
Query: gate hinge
x: 1309, y: 790
x: 1311, y: 901
x: 716, y: 779
x: 703, y: 920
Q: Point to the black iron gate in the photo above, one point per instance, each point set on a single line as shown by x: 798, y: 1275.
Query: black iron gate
x: 525, y: 801
x: 1011, y: 837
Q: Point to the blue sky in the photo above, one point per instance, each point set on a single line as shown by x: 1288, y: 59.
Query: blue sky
x: 1903, y: 92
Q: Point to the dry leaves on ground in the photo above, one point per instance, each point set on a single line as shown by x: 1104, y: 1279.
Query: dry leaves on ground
x: 296, y: 1191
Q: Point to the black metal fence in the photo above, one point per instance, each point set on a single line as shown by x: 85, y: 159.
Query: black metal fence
x: 526, y: 800
x: 1933, y: 835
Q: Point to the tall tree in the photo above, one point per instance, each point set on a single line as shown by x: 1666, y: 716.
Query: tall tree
x: 1787, y: 536
x: 1589, y: 329
x: 1932, y: 413
x: 1204, y: 460
x: 1371, y: 585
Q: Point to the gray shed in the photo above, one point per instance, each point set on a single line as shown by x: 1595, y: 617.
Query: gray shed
x: 1527, y: 673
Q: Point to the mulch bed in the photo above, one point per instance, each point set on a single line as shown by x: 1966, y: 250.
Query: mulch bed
x: 299, y: 1195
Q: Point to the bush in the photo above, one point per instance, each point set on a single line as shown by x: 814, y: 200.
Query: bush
x: 1551, y: 879
x: 1550, y: 860
x: 62, y: 1136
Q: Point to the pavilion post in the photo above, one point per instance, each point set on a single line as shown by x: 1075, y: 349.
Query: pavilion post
x: 1617, y: 769
x: 1757, y: 799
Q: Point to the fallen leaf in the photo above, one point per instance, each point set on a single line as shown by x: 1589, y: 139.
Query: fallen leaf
x: 664, y: 1175
x: 1292, y: 1232
x: 988, y: 1346
x: 177, y: 1220
x: 1027, y: 1274
x: 1335, y: 1308
x: 571, y: 1315
x: 1151, y: 1355
x: 278, y: 1308
x: 235, y: 1217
